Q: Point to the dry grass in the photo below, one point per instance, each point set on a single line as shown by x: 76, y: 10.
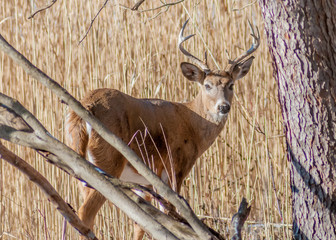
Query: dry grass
x: 129, y: 52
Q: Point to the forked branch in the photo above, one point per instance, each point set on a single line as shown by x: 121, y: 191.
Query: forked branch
x: 139, y: 3
x: 42, y: 9
x: 134, y: 8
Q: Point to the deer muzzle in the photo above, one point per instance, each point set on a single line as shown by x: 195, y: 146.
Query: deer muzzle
x: 224, y: 108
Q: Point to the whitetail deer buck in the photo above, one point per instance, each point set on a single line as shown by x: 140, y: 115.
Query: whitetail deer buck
x: 173, y: 135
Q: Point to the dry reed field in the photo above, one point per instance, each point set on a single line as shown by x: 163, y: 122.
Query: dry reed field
x: 137, y: 53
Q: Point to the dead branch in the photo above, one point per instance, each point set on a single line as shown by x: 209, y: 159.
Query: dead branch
x: 64, y: 208
x: 81, y: 167
x: 166, y: 7
x: 42, y: 9
x: 137, y: 5
x: 239, y: 219
x: 134, y: 8
x: 9, y: 118
x: 92, y: 21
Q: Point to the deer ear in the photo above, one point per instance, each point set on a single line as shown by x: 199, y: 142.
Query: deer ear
x: 192, y: 72
x: 241, y: 69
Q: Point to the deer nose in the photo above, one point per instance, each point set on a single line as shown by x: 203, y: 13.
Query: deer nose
x: 223, y: 109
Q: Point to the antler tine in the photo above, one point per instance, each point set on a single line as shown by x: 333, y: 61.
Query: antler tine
x: 253, y: 48
x: 182, y: 39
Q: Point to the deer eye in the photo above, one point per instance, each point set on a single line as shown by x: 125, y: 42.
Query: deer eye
x: 207, y: 87
x: 231, y: 86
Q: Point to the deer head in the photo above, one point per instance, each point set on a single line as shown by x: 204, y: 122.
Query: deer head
x: 216, y: 85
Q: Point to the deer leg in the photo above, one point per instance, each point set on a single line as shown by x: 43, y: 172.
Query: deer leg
x: 93, y: 201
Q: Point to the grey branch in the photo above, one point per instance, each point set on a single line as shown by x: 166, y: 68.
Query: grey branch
x: 92, y: 21
x: 137, y: 5
x: 163, y: 8
x: 239, y: 219
x: 42, y: 9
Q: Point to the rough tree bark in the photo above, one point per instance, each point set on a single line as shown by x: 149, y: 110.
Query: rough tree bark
x: 301, y: 36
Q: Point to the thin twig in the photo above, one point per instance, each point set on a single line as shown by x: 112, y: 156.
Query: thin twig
x: 158, y: 14
x: 92, y: 21
x: 137, y: 5
x: 152, y: 9
x: 42, y: 9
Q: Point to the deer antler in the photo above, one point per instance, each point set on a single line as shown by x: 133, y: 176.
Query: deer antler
x: 253, y: 48
x: 182, y: 39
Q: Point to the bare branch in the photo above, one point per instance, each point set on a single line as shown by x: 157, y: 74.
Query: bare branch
x: 137, y: 5
x: 181, y: 230
x: 64, y: 208
x: 28, y: 118
x: 134, y: 8
x: 92, y: 21
x: 42, y: 9
x: 239, y: 219
x: 9, y: 118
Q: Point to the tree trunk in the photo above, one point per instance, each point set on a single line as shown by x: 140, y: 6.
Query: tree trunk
x: 302, y: 42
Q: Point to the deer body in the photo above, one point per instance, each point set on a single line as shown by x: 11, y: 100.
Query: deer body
x: 169, y: 136
x: 156, y: 123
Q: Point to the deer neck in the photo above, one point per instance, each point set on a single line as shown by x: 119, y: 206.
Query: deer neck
x: 198, y: 106
x: 206, y: 128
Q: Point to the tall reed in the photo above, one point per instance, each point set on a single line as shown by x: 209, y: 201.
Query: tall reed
x: 138, y: 55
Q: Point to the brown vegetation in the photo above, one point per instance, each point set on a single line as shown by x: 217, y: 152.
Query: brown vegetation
x: 127, y: 51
